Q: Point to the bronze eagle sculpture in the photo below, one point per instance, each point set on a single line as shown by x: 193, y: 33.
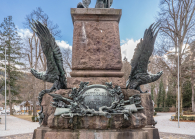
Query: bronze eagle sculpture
x: 55, y: 72
x: 139, y: 63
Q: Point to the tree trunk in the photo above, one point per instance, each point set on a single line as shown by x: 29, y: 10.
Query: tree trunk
x: 34, y: 98
x: 10, y: 100
x: 181, y: 98
x: 176, y: 101
x: 9, y: 78
x: 193, y: 94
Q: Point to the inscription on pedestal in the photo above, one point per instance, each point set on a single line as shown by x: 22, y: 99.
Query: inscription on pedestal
x: 97, y: 96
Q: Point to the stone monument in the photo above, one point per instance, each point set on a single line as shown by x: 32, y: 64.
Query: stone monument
x: 94, y: 103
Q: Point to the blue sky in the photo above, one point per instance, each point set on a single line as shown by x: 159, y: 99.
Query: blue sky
x: 137, y: 15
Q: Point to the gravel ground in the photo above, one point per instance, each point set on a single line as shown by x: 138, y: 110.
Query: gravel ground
x: 167, y: 126
x: 16, y: 126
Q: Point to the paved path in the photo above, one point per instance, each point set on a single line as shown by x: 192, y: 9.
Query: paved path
x: 167, y: 126
x: 168, y: 129
x: 16, y: 126
x: 19, y: 136
x: 162, y: 136
x: 174, y: 136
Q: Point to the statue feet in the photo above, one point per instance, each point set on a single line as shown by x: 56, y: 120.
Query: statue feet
x: 99, y: 4
x: 80, y: 5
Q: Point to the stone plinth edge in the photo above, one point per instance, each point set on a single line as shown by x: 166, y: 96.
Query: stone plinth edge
x: 117, y: 121
x: 96, y: 73
x: 152, y: 133
x: 79, y: 14
x: 75, y: 81
x: 90, y: 134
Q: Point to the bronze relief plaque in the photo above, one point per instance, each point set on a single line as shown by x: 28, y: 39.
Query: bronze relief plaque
x: 96, y: 96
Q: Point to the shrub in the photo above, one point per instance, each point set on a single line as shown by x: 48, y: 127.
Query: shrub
x: 192, y: 118
x: 161, y: 109
x: 29, y: 112
x: 158, y: 109
x: 33, y: 119
x: 183, y: 117
x: 188, y: 112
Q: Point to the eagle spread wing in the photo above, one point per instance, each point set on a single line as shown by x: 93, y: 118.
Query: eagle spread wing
x: 140, y: 60
x: 55, y: 70
x: 143, y: 51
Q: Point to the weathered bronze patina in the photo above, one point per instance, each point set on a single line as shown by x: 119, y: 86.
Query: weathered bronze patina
x: 139, y: 64
x: 99, y: 4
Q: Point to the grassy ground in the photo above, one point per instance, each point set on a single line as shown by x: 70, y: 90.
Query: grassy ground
x: 24, y: 117
x: 181, y: 120
x: 187, y: 115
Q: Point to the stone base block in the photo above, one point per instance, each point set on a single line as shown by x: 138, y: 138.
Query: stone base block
x: 93, y: 134
x: 146, y: 102
x: 39, y: 133
x: 152, y: 133
x: 117, y: 121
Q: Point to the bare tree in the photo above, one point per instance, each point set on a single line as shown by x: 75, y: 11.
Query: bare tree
x: 177, y: 20
x: 67, y: 60
x: 33, y: 52
x: 36, y: 58
x: 192, y: 65
x: 43, y: 66
x: 39, y: 15
x: 126, y: 68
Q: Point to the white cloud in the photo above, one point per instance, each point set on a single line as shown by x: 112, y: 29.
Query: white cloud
x: 127, y: 48
x: 63, y: 44
x: 24, y: 33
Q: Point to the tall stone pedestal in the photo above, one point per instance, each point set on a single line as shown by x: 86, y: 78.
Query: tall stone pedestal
x: 96, y: 43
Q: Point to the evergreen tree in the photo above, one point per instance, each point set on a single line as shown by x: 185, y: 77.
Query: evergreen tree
x: 10, y: 40
x: 170, y: 100
x: 187, y: 94
x: 161, y: 95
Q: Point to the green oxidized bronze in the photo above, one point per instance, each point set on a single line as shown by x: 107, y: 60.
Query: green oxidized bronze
x: 99, y: 4
x: 139, y: 63
x: 55, y: 72
x: 96, y: 100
